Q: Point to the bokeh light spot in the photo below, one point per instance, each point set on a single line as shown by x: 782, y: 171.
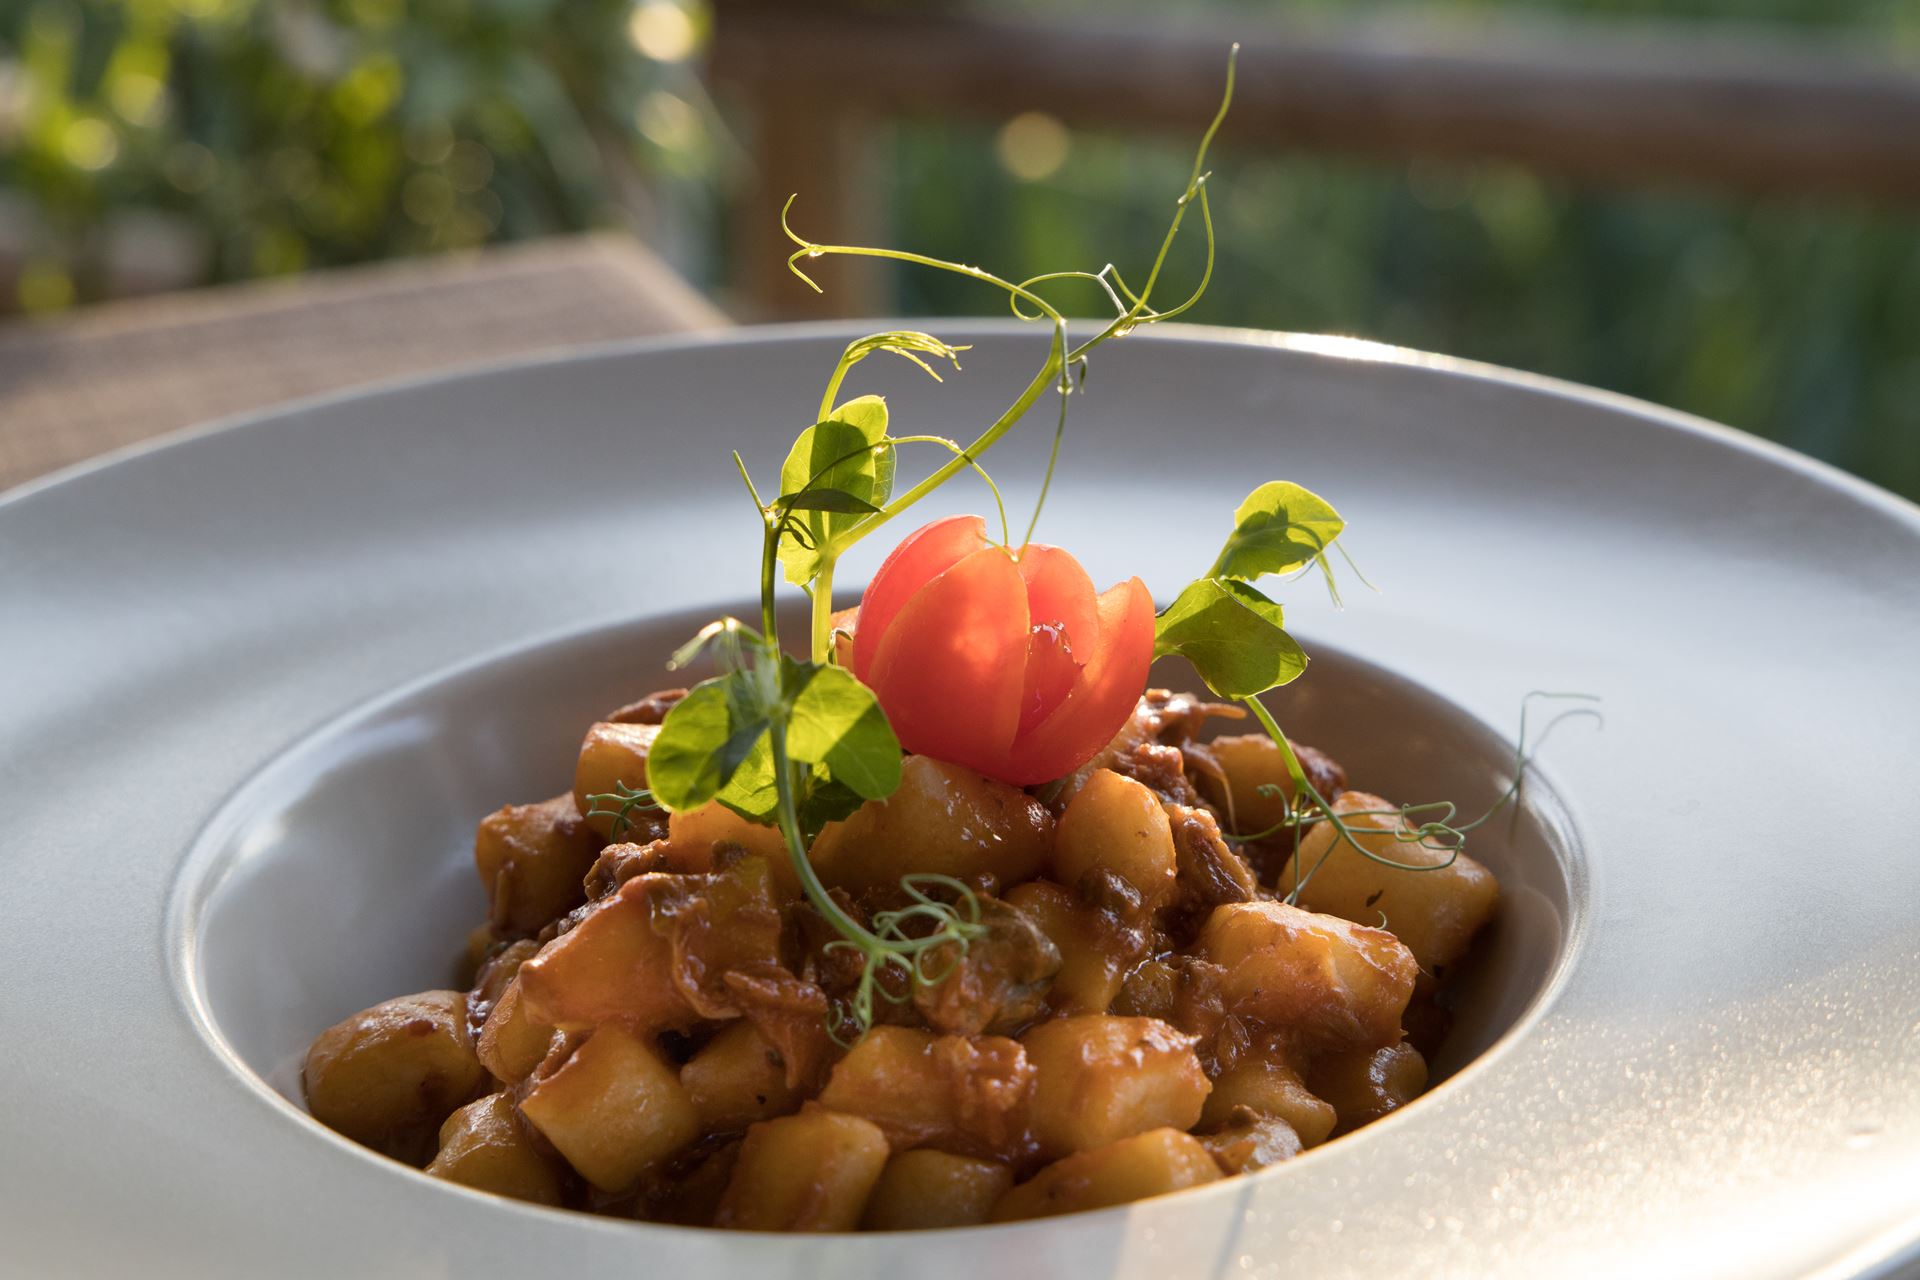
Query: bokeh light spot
x: 89, y: 143
x: 1033, y: 145
x: 668, y: 121
x: 663, y: 31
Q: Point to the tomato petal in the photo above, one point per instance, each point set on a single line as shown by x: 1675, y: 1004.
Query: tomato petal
x: 925, y: 553
x: 1101, y: 700
x: 1051, y: 673
x: 950, y: 666
x: 1060, y: 593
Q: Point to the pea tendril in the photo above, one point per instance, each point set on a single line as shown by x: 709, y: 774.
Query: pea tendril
x: 620, y: 804
x: 1309, y: 807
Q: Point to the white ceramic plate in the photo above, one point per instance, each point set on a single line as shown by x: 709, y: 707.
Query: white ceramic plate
x: 209, y: 852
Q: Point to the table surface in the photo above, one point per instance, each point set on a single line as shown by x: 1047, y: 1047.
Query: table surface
x: 117, y: 374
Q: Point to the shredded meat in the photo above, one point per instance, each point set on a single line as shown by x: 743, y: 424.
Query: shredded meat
x: 491, y: 979
x: 999, y: 985
x: 651, y: 709
x: 1161, y: 769
x: 1426, y: 1020
x: 790, y: 1014
x: 687, y: 1190
x: 1177, y: 718
x: 717, y: 925
x: 991, y: 1087
x: 619, y: 863
x: 1160, y: 718
x: 1322, y: 770
x: 1208, y: 873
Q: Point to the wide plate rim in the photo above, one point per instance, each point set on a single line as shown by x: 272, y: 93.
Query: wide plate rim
x: 1900, y: 1242
x: 1330, y: 345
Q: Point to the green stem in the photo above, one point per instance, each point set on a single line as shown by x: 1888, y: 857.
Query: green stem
x: 789, y: 816
x: 769, y: 558
x: 822, y: 590
x: 1046, y: 481
x: 1048, y: 374
x: 840, y: 372
x: 1287, y: 757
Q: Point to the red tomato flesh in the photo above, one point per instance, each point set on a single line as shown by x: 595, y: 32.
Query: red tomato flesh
x: 1007, y: 663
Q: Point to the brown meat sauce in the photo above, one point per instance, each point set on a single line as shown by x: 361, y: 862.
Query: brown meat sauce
x: 675, y: 949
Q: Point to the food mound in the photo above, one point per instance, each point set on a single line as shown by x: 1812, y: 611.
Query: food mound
x: 650, y: 1030
x: 939, y: 920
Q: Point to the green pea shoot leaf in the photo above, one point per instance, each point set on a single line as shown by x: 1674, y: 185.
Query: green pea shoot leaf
x: 716, y: 744
x: 837, y: 723
x: 1234, y: 636
x: 838, y: 472
x: 834, y: 500
x: 1280, y: 526
x: 702, y: 743
x: 750, y: 792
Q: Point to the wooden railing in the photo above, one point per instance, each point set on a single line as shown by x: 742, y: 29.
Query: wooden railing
x: 1724, y: 108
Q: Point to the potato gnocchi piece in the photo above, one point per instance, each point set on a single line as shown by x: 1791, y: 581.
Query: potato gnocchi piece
x: 1094, y: 955
x: 1252, y: 1143
x: 1362, y: 1085
x: 737, y: 1079
x: 970, y: 1095
x: 1098, y: 1079
x: 1435, y: 913
x: 614, y: 1110
x: 483, y: 1146
x: 944, y: 819
x: 388, y: 1076
x: 1116, y: 824
x: 924, y: 1189
x: 1147, y: 1164
x: 533, y: 860
x: 612, y: 966
x: 655, y: 955
x: 1327, y: 981
x: 695, y: 835
x: 513, y: 1042
x: 613, y: 756
x: 1248, y: 762
x: 1263, y: 1087
x: 808, y: 1172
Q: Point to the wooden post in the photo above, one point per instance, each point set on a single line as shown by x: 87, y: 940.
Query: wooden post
x: 807, y: 140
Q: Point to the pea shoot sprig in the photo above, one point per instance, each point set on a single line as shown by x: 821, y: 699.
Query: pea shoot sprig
x: 1235, y: 637
x: 795, y: 743
x: 1440, y: 832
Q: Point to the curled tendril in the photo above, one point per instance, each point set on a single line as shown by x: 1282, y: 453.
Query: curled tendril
x: 1066, y: 365
x: 1441, y: 833
x: 903, y: 941
x: 908, y: 344
x: 921, y: 943
x: 620, y: 804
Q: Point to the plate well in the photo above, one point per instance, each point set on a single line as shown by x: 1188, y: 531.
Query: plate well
x: 341, y: 875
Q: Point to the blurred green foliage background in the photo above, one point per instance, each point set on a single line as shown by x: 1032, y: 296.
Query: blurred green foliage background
x: 152, y: 142
x: 169, y: 142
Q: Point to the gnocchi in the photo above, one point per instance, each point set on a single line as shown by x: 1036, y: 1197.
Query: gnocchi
x: 651, y: 1029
